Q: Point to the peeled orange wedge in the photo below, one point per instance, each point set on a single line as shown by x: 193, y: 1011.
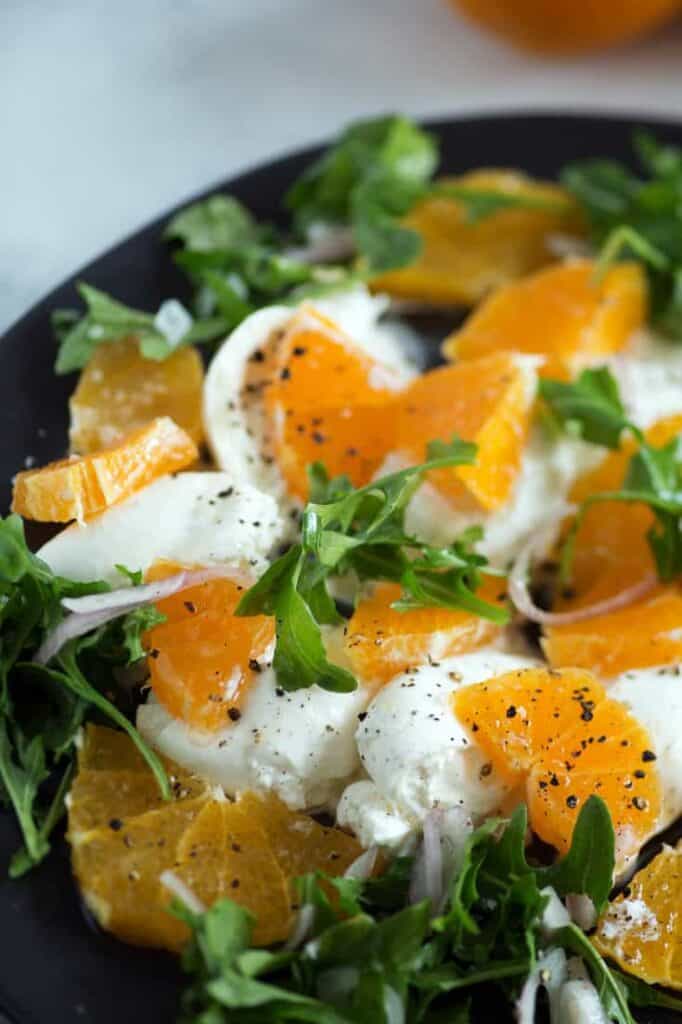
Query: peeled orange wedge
x: 123, y: 837
x: 203, y: 658
x: 488, y: 401
x: 79, y: 488
x: 612, y: 554
x: 461, y: 262
x: 561, y: 313
x: 558, y: 735
x: 325, y: 399
x: 381, y: 642
x: 120, y: 391
x: 641, y: 930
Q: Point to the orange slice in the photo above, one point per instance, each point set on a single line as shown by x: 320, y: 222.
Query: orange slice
x: 225, y: 852
x: 640, y: 635
x: 123, y: 837
x: 461, y: 261
x: 641, y: 930
x: 324, y: 400
x: 120, y: 391
x: 611, y: 554
x: 203, y: 658
x: 560, y: 313
x: 607, y: 756
x: 79, y: 488
x: 488, y: 401
x: 560, y: 736
x: 516, y: 717
x: 382, y: 642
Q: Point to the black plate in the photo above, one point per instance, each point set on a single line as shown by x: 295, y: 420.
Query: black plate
x: 53, y: 967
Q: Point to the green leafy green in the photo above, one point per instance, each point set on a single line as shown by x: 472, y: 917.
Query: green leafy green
x: 370, y: 955
x: 589, y: 406
x: 361, y: 530
x: 589, y: 865
x: 369, y: 179
x: 638, y: 217
x: 42, y: 708
x: 639, y: 993
x: 106, y: 319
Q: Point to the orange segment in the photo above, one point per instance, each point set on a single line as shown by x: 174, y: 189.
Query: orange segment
x: 611, y: 554
x: 382, y: 642
x: 517, y: 716
x: 607, y: 756
x: 611, y: 549
x: 488, y: 401
x: 123, y: 837
x: 300, y: 843
x: 79, y: 488
x: 118, y: 872
x: 203, y: 659
x: 641, y: 930
x: 646, y: 633
x: 120, y: 391
x: 559, y: 734
x: 226, y: 853
x: 461, y: 262
x: 324, y: 399
x: 560, y: 313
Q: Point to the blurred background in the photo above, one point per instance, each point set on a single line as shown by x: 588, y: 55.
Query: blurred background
x: 111, y: 112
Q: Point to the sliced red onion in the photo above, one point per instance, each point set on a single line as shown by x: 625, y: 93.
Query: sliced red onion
x: 582, y: 910
x: 183, y: 892
x: 555, y: 915
x: 69, y: 629
x: 94, y: 610
x: 427, y: 874
x: 578, y: 1002
x: 302, y: 927
x: 520, y: 596
x: 133, y: 597
x: 326, y: 243
x: 549, y: 973
x: 363, y: 866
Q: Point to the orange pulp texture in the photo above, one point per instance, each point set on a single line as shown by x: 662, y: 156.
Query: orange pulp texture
x: 80, y: 487
x: 641, y: 930
x: 119, y: 391
x: 203, y: 659
x: 559, y: 735
x: 123, y: 836
x: 611, y: 554
x: 382, y: 642
x: 327, y: 400
x: 560, y: 313
x: 462, y: 261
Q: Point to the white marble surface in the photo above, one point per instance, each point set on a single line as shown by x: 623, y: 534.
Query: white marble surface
x: 111, y: 110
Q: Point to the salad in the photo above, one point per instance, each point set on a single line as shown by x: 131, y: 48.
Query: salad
x: 355, y: 678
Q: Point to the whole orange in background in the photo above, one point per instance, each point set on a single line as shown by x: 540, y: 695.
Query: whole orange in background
x: 568, y: 26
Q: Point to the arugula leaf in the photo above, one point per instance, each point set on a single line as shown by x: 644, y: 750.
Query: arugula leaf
x: 590, y: 406
x: 370, y: 178
x: 639, y: 993
x: 588, y: 866
x: 361, y: 530
x: 42, y: 709
x: 369, y: 955
x: 106, y: 320
x: 638, y: 217
x: 219, y: 222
